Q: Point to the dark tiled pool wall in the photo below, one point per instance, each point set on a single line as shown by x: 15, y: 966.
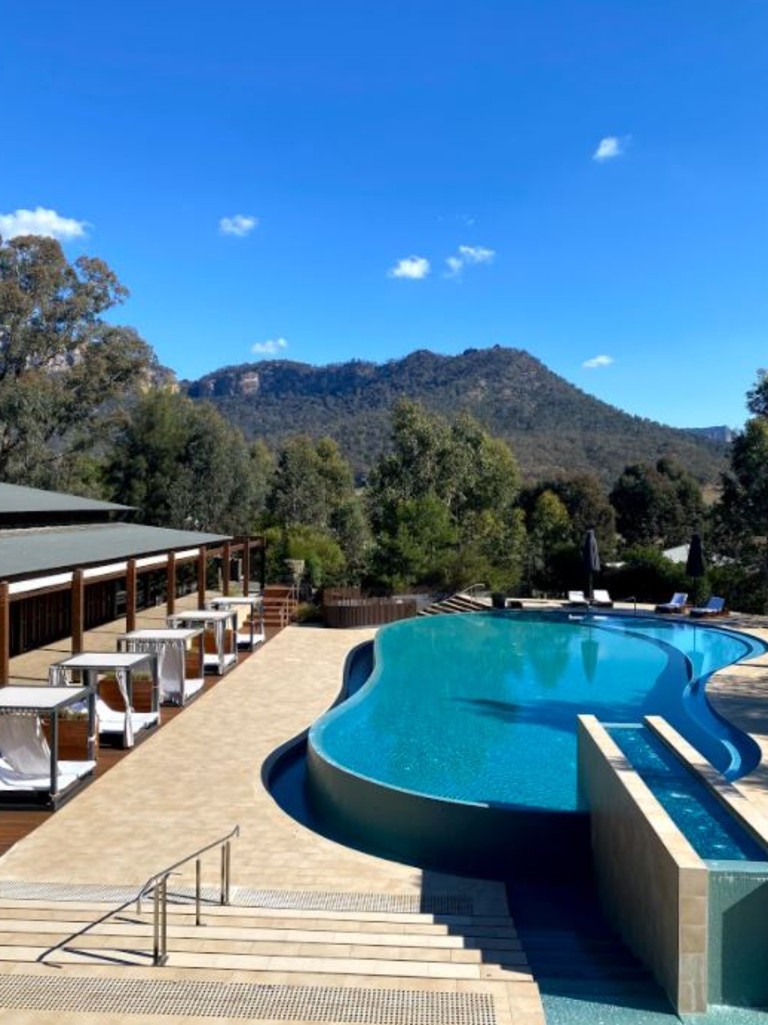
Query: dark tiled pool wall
x: 738, y: 934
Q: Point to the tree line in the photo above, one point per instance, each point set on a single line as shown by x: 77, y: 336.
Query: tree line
x: 84, y: 407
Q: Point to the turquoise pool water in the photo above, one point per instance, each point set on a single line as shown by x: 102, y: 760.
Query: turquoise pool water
x: 713, y: 832
x: 482, y: 709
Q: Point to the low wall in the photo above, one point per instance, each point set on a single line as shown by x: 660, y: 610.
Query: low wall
x: 351, y: 612
x: 653, y: 885
x: 738, y: 892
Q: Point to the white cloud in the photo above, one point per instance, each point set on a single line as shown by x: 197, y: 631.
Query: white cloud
x: 466, y: 256
x: 240, y: 224
x: 611, y: 147
x: 413, y: 267
x: 270, y: 347
x: 597, y: 361
x: 40, y: 222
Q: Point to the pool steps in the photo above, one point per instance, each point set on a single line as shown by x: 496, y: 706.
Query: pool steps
x: 576, y: 956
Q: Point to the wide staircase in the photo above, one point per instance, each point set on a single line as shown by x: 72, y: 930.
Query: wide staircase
x: 314, y: 957
x: 459, y: 602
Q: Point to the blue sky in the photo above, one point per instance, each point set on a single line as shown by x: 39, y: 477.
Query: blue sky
x: 353, y: 179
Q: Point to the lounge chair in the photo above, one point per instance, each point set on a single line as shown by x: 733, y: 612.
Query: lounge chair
x: 714, y: 607
x: 601, y: 599
x: 113, y: 723
x: 675, y: 604
x: 577, y: 598
x: 25, y: 760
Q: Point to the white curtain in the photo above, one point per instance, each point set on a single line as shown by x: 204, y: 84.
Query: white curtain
x: 23, y: 744
x: 170, y: 669
x: 122, y: 682
x: 170, y: 665
x: 58, y: 676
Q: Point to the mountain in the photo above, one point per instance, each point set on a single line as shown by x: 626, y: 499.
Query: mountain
x: 553, y: 427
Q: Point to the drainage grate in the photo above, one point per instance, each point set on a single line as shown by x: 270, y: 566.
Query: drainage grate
x: 182, y: 998
x: 10, y: 890
x: 302, y: 900
x: 314, y: 900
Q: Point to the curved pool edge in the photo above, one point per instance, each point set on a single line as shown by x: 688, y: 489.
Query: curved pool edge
x: 739, y: 695
x: 447, y: 833
x: 448, y: 836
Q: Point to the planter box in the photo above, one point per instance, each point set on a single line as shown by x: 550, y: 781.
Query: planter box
x: 73, y: 738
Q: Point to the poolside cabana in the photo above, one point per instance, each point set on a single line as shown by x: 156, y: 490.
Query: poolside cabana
x: 250, y: 631
x: 180, y: 659
x: 31, y: 773
x: 112, y: 678
x: 219, y: 637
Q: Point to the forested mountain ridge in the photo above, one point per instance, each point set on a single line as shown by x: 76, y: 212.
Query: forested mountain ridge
x: 553, y: 427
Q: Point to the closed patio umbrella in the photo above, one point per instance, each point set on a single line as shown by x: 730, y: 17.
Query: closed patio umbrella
x: 695, y: 567
x: 590, y: 559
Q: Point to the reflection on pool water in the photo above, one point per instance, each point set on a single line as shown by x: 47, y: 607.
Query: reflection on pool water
x: 482, y: 708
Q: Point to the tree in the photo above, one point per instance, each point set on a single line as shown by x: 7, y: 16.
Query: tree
x: 740, y: 518
x: 757, y: 396
x: 588, y: 508
x: 61, y: 364
x: 443, y: 503
x: 312, y: 487
x: 182, y: 465
x: 549, y: 529
x: 656, y: 505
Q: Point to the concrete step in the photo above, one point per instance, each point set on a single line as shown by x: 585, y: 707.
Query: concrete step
x: 441, y: 947
x: 412, y: 953
x: 258, y: 939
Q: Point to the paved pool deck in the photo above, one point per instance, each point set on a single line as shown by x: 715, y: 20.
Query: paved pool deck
x: 201, y: 774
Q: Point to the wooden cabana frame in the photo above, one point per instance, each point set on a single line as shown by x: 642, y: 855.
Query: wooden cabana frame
x: 65, y: 778
x: 78, y: 581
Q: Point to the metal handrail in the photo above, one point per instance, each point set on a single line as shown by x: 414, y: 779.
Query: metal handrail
x: 474, y: 587
x: 157, y: 884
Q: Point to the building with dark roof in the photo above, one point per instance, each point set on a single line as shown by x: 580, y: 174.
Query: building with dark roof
x: 68, y: 564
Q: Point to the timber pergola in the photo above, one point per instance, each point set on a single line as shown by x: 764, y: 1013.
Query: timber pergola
x: 52, y: 545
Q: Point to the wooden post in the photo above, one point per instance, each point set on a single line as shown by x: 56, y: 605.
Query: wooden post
x: 225, y: 560
x: 130, y: 595
x: 171, y: 584
x: 202, y: 569
x: 263, y: 564
x: 246, y: 565
x: 78, y: 611
x: 5, y: 634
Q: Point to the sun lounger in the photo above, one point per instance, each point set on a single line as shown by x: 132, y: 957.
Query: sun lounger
x: 601, y: 599
x: 675, y: 604
x: 31, y: 775
x: 577, y: 598
x: 714, y: 607
x: 112, y: 722
x: 68, y: 773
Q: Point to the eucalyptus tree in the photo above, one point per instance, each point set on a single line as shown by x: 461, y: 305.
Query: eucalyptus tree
x: 740, y: 517
x: 443, y: 503
x: 312, y: 499
x: 61, y: 364
x: 182, y: 465
x: 548, y: 530
x: 657, y: 505
x: 588, y: 508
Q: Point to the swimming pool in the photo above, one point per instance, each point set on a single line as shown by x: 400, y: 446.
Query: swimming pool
x: 478, y: 712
